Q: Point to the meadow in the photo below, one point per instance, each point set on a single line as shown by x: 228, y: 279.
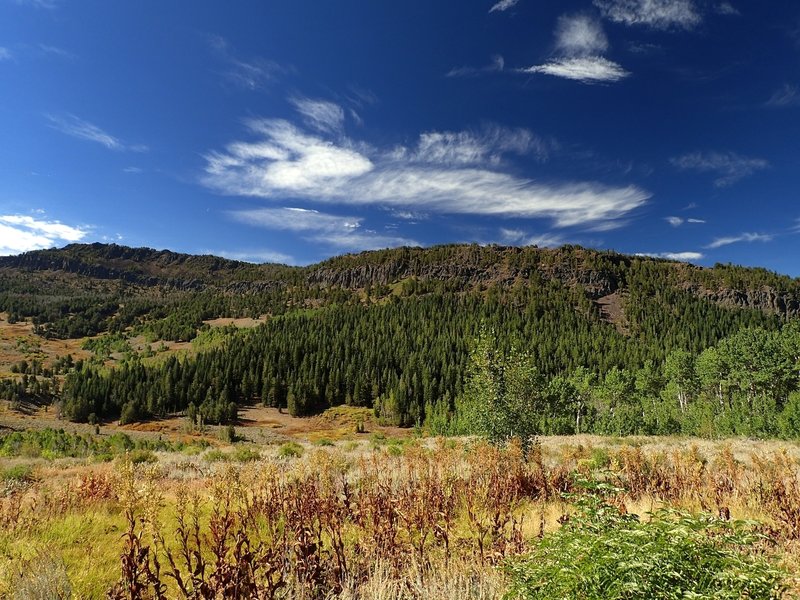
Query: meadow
x: 376, y: 516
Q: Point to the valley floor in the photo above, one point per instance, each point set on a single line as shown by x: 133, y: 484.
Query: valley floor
x: 308, y: 508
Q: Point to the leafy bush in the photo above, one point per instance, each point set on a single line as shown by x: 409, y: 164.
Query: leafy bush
x: 18, y: 474
x: 245, y: 454
x: 138, y: 457
x: 215, y: 455
x: 290, y: 450
x: 601, y: 553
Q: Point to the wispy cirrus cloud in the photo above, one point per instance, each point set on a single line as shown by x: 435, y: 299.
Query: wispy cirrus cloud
x: 580, y: 43
x: 656, y: 14
x: 518, y: 237
x: 787, y: 95
x: 56, y: 51
x: 46, y: 4
x: 588, y: 69
x: 726, y: 8
x: 321, y: 115
x: 503, y: 5
x: 76, y: 127
x: 678, y: 256
x: 729, y: 167
x: 339, y: 231
x: 258, y: 256
x: 248, y: 74
x: 22, y: 233
x: 744, y: 237
x: 497, y: 65
x: 5, y: 54
x: 438, y: 175
x: 487, y: 146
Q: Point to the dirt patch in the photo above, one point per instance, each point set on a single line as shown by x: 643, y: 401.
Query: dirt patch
x: 612, y: 311
x: 18, y: 342
x: 241, y: 323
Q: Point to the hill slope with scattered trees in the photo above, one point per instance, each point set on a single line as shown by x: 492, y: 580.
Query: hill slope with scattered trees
x: 609, y: 343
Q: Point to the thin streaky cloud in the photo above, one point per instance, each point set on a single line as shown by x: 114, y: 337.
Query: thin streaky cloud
x: 589, y: 70
x: 260, y: 256
x: 252, y: 74
x: 46, y: 4
x: 497, y: 65
x: 322, y: 115
x: 696, y: 221
x: 339, y: 231
x: 677, y: 256
x: 503, y: 5
x: 726, y: 8
x: 744, y: 237
x: 656, y: 14
x: 287, y: 162
x: 56, y: 51
x: 76, y: 127
x: 519, y: 237
x: 729, y: 167
x: 5, y: 53
x: 787, y: 95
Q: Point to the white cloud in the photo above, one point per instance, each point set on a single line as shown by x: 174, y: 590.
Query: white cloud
x: 658, y: 14
x: 788, y: 95
x: 83, y: 130
x: 580, y: 35
x: 726, y: 8
x: 728, y: 166
x: 744, y: 237
x: 5, y: 53
x: 674, y: 221
x: 580, y: 42
x: 496, y: 66
x: 324, y: 116
x: 286, y: 162
x: 132, y: 170
x: 519, y: 237
x: 334, y: 230
x: 679, y: 256
x: 678, y: 221
x: 474, y: 148
x: 588, y: 69
x: 503, y: 5
x: 22, y: 233
x: 255, y: 256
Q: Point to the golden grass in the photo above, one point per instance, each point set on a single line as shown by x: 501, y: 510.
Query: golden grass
x: 424, y: 519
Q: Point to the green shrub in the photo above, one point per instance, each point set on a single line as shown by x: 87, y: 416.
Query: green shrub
x: 290, y: 450
x: 245, y: 454
x: 215, y: 455
x: 324, y: 442
x: 601, y: 553
x: 19, y: 474
x: 141, y: 456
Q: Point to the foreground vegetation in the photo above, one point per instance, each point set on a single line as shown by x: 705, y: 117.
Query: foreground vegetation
x: 419, y: 518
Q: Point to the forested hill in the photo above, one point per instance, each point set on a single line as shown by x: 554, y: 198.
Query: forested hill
x: 462, y: 267
x: 390, y: 329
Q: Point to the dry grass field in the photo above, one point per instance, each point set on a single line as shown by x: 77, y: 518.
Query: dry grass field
x: 374, y: 516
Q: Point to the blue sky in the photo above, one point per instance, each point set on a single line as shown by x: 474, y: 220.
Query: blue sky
x: 296, y: 130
